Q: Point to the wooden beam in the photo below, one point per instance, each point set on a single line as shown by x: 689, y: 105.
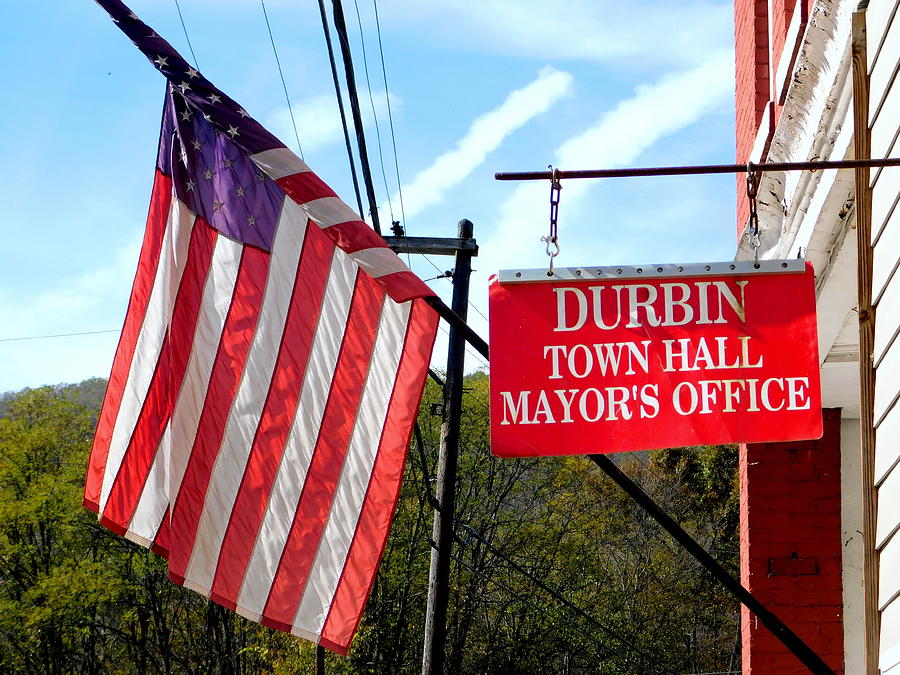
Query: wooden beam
x: 432, y: 245
x: 863, y: 199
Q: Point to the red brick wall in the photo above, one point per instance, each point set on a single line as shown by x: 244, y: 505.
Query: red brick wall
x: 751, y: 83
x: 791, y: 548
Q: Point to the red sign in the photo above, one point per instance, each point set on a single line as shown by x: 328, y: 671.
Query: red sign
x: 615, y: 359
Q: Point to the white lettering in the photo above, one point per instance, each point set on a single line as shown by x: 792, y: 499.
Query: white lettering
x: 554, y: 355
x: 687, y: 312
x: 566, y: 402
x: 519, y: 409
x: 561, y: 305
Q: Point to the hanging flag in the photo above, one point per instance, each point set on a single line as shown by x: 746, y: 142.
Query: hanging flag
x: 268, y: 375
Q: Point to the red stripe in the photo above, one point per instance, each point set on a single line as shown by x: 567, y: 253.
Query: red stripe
x: 328, y: 456
x: 404, y: 286
x: 160, y: 201
x: 276, y: 419
x: 160, y: 544
x: 237, y: 335
x: 384, y: 485
x: 355, y: 236
x: 305, y: 186
x: 167, y: 377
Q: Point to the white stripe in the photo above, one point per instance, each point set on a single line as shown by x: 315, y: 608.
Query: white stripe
x: 182, y: 427
x: 176, y: 240
x: 217, y: 294
x: 279, y: 162
x: 377, y: 262
x: 240, y: 430
x: 295, y: 460
x: 354, y: 481
x: 328, y: 211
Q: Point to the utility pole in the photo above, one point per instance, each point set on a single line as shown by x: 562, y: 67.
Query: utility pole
x: 442, y: 533
x: 464, y: 248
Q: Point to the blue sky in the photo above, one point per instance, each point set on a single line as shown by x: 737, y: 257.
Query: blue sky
x: 475, y: 88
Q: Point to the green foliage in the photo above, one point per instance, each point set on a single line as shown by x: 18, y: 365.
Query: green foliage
x: 76, y: 598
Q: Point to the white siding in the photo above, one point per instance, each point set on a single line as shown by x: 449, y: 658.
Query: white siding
x: 887, y: 447
x: 883, y: 34
x: 890, y: 638
x: 889, y: 509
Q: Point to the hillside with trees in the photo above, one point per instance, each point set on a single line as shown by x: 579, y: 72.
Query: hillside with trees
x: 555, y: 569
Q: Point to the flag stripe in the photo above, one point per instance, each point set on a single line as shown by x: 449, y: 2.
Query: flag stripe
x: 145, y: 439
x: 378, y: 262
x: 297, y: 453
x: 328, y: 456
x: 146, y: 521
x: 182, y: 430
x: 227, y: 370
x: 276, y: 419
x: 354, y: 477
x: 160, y: 544
x: 148, y: 262
x: 247, y: 409
x: 384, y: 486
x: 149, y: 344
x: 351, y: 239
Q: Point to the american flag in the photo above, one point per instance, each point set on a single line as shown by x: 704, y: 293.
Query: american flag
x: 268, y: 375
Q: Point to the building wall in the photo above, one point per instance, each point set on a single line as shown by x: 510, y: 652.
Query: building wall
x: 809, y: 98
x: 883, y: 48
x: 791, y: 545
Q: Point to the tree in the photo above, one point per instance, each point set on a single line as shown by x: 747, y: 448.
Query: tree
x: 555, y: 569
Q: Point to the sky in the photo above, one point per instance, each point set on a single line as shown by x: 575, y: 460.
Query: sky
x: 472, y: 87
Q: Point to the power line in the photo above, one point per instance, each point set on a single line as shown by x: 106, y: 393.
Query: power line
x: 59, y: 335
x: 287, y: 97
x: 186, y: 37
x: 432, y: 500
x: 362, y: 44
x: 387, y: 99
x: 468, y: 350
x: 340, y: 102
x: 340, y: 27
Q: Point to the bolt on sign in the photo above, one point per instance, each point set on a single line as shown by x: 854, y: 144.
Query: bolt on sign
x: 593, y: 360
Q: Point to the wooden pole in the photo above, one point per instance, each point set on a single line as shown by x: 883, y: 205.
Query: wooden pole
x: 863, y: 199
x: 442, y: 531
x: 320, y: 660
x: 341, y: 27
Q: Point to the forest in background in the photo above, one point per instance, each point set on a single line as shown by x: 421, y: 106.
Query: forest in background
x: 555, y: 569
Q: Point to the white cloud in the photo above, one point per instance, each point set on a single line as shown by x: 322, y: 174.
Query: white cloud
x: 485, y: 135
x: 318, y: 118
x: 631, y: 33
x: 618, y: 138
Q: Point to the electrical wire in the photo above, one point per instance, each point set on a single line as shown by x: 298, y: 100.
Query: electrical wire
x: 387, y: 99
x: 471, y: 532
x: 287, y: 97
x: 340, y: 102
x: 469, y: 351
x: 362, y: 44
x: 340, y: 27
x: 186, y: 37
x: 59, y: 335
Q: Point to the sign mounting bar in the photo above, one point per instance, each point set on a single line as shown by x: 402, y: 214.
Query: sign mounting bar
x: 703, y: 169
x: 734, y: 267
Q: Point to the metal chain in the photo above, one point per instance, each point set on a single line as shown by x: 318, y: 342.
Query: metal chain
x: 753, y: 177
x: 552, y: 239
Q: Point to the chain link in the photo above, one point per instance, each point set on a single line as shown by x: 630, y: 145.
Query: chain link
x: 753, y: 177
x: 552, y: 239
